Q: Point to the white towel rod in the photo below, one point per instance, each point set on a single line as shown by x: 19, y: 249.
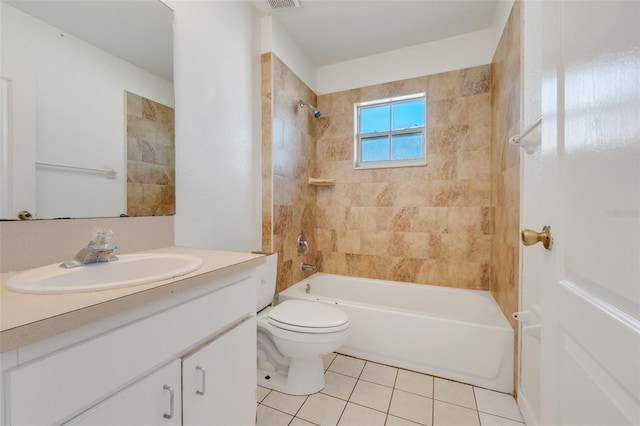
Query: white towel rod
x: 518, y: 139
x: 111, y: 173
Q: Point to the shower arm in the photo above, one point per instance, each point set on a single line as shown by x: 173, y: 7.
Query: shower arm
x: 316, y: 111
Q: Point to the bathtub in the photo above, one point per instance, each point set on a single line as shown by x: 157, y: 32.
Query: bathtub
x: 452, y: 333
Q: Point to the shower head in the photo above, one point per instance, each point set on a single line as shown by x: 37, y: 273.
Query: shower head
x: 316, y: 111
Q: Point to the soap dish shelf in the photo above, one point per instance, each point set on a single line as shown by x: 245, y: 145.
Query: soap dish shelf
x: 322, y: 182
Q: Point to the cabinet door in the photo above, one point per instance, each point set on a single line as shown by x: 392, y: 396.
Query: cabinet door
x: 219, y: 380
x: 153, y: 400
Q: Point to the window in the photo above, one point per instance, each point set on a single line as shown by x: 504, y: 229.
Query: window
x: 390, y: 132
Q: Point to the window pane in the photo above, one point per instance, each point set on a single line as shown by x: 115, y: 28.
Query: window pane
x: 408, y: 114
x: 406, y: 147
x: 374, y: 119
x: 374, y: 149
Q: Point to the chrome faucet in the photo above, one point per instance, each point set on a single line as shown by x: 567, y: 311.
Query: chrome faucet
x: 307, y: 267
x: 98, y: 250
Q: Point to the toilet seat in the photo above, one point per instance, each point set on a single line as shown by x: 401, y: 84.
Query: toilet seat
x: 307, y: 317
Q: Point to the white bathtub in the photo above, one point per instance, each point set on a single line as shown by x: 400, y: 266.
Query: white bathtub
x: 457, y: 334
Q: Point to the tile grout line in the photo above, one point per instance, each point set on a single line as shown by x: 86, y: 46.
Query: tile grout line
x: 475, y: 399
x: 433, y: 402
x: 352, y: 390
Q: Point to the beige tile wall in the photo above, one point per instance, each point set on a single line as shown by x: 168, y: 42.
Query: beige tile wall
x: 505, y: 167
x: 289, y: 158
x: 150, y: 158
x: 266, y: 85
x: 449, y: 223
x: 426, y: 224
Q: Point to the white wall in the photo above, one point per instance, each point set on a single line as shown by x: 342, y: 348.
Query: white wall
x: 467, y: 50
x: 277, y: 40
x: 500, y: 17
x: 69, y: 103
x: 464, y: 51
x: 217, y: 85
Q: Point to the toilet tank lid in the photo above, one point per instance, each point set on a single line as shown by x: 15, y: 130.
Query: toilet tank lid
x: 308, y: 314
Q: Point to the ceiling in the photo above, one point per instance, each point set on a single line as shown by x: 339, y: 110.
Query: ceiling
x: 329, y: 31
x: 332, y: 31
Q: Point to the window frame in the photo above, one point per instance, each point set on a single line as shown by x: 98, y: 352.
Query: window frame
x: 414, y: 162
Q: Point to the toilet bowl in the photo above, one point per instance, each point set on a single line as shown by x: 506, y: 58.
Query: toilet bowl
x: 292, y: 338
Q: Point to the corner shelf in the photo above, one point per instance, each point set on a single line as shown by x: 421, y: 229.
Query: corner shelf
x: 322, y: 182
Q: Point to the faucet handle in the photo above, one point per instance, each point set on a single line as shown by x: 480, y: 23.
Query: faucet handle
x: 106, y: 247
x: 100, y: 235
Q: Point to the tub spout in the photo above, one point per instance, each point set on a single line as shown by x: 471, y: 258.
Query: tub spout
x: 307, y: 267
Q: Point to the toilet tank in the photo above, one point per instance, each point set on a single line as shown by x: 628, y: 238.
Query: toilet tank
x: 266, y: 282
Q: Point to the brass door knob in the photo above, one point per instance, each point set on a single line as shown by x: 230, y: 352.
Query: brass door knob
x: 530, y: 237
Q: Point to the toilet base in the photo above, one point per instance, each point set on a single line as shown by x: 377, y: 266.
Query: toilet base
x: 306, y: 376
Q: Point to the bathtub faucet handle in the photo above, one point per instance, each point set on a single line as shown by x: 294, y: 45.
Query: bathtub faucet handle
x: 301, y: 243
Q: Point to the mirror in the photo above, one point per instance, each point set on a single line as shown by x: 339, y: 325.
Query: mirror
x: 87, y: 109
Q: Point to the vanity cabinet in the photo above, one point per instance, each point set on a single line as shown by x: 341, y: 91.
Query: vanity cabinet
x: 198, y: 345
x: 205, y: 387
x: 157, y: 399
x: 214, y: 380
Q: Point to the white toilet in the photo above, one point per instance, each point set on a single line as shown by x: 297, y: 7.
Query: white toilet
x: 293, y: 336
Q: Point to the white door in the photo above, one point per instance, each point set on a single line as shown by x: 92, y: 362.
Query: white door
x: 219, y: 380
x: 590, y: 282
x: 534, y: 214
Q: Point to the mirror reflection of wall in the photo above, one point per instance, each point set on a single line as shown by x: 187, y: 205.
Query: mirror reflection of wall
x: 67, y: 107
x: 150, y: 158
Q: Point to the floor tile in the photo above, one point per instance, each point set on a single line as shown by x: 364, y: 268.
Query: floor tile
x: 412, y: 407
x: 270, y: 417
x: 498, y: 404
x: 490, y: 420
x: 454, y: 392
x: 418, y: 383
x: 299, y: 422
x: 328, y: 359
x: 338, y: 385
x: 372, y: 395
x: 288, y: 403
x: 356, y: 415
x: 347, y: 366
x: 380, y: 374
x: 365, y: 393
x: 397, y: 421
x: 261, y: 393
x: 322, y: 409
x: 445, y: 414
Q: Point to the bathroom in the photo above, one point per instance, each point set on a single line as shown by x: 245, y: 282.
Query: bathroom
x: 224, y: 199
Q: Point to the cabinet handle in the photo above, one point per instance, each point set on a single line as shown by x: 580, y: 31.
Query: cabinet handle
x: 204, y: 381
x: 170, y: 389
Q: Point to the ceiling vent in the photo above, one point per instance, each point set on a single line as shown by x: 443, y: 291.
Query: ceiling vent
x: 282, y: 4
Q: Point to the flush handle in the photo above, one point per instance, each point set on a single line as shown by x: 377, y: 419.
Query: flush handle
x: 530, y: 237
x: 25, y: 215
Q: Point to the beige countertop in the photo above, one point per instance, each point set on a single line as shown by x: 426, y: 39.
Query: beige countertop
x: 27, y: 318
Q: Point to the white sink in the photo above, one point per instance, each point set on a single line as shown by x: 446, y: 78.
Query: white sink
x: 129, y: 270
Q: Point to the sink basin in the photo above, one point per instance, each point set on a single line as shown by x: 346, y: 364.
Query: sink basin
x: 129, y: 270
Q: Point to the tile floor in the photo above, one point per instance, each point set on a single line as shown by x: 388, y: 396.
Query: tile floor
x: 363, y: 393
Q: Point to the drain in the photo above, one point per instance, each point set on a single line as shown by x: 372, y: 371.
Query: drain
x: 267, y: 377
